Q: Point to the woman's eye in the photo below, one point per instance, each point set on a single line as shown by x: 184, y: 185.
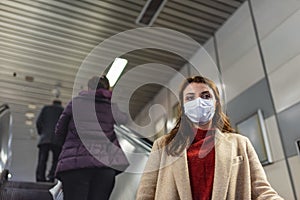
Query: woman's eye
x: 206, y: 96
x: 189, y: 98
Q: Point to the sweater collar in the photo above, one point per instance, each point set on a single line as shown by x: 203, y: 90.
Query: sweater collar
x: 200, y: 134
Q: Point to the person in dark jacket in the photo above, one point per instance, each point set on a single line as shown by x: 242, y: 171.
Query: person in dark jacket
x: 48, y: 141
x: 91, y: 156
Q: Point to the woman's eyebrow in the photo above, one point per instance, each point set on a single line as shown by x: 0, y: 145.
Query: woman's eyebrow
x: 205, y: 92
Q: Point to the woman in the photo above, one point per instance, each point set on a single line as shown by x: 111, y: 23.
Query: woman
x: 202, y: 157
x: 91, y: 156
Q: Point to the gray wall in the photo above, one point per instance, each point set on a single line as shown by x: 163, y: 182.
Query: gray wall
x: 260, y: 69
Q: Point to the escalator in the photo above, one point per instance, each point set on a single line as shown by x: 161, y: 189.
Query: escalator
x: 15, y: 190
x: 132, y: 144
x: 126, y: 183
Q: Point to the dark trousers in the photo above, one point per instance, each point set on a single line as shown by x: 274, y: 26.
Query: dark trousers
x: 42, y: 161
x: 88, y: 184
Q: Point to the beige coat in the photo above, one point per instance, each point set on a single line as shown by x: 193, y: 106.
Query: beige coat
x: 238, y: 173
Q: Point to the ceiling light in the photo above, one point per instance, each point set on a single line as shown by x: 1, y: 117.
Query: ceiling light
x: 32, y: 106
x: 29, y: 115
x: 28, y: 122
x: 115, y: 70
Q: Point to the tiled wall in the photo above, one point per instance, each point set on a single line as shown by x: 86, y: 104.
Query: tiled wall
x: 248, y: 88
x: 278, y: 28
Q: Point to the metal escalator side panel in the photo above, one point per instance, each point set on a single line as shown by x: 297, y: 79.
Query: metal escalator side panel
x: 5, y: 137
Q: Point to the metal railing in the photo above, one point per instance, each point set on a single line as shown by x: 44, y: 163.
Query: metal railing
x: 5, y: 137
x: 133, y: 137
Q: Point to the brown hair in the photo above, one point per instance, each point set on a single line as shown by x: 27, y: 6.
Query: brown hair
x: 96, y: 83
x: 183, y: 128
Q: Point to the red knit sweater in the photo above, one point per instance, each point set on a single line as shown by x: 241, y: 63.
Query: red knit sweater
x: 201, y: 162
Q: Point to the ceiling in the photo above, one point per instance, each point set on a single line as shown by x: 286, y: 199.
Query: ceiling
x: 44, y: 45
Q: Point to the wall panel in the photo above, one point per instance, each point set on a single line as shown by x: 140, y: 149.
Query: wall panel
x: 236, y: 37
x: 245, y: 72
x: 271, y: 13
x: 283, y: 44
x: 289, y: 125
x: 285, y: 84
x: 295, y: 166
x: 280, y: 183
x: 249, y: 101
x: 274, y: 139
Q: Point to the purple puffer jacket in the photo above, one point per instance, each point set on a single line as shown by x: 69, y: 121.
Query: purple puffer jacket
x: 89, y: 129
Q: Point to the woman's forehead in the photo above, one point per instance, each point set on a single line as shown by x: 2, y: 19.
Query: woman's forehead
x: 196, y: 88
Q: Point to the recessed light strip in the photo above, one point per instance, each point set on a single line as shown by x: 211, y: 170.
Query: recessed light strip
x: 115, y: 70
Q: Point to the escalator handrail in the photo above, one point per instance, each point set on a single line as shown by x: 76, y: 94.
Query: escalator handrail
x: 3, y: 108
x: 5, y: 111
x: 146, y: 140
x: 126, y: 132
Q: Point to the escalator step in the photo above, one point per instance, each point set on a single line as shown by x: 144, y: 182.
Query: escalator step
x: 28, y: 185
x: 11, y: 190
x: 24, y: 194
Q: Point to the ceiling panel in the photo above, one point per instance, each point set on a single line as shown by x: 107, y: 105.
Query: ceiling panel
x: 48, y: 40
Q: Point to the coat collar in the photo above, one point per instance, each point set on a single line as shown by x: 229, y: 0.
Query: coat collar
x: 221, y: 174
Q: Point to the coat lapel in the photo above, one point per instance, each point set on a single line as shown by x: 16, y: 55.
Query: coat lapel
x: 223, y: 153
x: 181, y: 176
x: 223, y: 162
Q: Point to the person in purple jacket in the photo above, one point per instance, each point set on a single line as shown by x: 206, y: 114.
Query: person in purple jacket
x: 91, y: 156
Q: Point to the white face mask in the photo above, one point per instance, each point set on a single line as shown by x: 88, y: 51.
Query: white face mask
x: 199, y: 110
